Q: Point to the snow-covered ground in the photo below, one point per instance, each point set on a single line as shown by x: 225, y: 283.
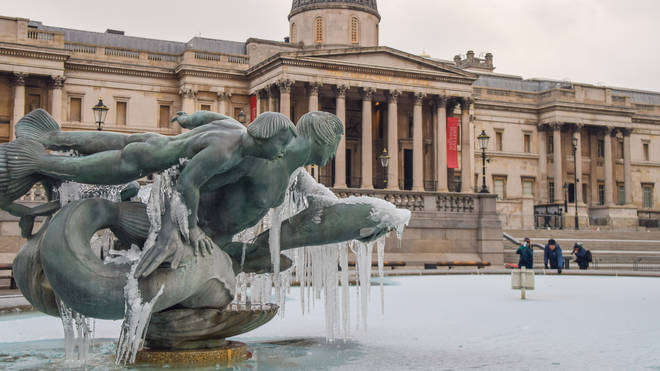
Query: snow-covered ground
x: 430, y: 323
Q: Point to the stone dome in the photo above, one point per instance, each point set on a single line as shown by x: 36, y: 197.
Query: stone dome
x: 366, y: 5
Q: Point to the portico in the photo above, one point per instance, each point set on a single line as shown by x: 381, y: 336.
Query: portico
x: 398, y: 109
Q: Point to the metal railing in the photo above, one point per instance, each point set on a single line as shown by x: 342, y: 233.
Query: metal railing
x: 550, y: 216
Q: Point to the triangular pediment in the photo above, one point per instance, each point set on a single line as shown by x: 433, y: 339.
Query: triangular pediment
x: 383, y: 57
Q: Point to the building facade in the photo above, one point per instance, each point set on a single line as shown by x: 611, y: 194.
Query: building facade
x: 389, y: 100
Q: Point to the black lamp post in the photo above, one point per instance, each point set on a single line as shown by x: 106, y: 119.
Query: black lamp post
x: 384, y: 162
x: 241, y: 117
x: 100, y: 111
x: 575, y: 187
x: 483, y: 144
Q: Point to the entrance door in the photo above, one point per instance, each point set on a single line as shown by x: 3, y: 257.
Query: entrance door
x: 571, y: 193
x: 407, y: 169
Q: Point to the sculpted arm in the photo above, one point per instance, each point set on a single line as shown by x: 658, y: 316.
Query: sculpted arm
x: 199, y: 118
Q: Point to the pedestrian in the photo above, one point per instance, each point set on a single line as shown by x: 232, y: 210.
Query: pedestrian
x: 552, y: 254
x: 526, y: 254
x: 582, y: 255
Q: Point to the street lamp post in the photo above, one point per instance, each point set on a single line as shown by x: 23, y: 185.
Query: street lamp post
x: 100, y: 111
x: 483, y: 144
x: 384, y: 162
x: 575, y: 187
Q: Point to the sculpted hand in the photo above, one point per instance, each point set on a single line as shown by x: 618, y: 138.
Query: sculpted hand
x: 181, y: 117
x: 201, y: 242
x: 168, y: 247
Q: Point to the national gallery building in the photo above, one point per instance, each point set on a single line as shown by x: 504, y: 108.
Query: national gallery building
x: 411, y: 121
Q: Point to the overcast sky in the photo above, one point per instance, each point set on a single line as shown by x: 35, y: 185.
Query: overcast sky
x: 609, y: 42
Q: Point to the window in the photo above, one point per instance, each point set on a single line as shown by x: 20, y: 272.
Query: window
x: 499, y: 183
x: 498, y: 141
x: 293, y: 32
x: 585, y: 192
x: 619, y: 149
x: 206, y: 107
x: 121, y: 114
x: 601, y: 194
x: 528, y: 187
x: 355, y: 30
x: 457, y: 183
x: 527, y: 143
x: 551, y: 144
x: 551, y: 192
x: 75, y: 113
x: 621, y: 192
x: 647, y: 190
x: 164, y: 116
x: 601, y: 148
x: 645, y: 151
x: 318, y: 30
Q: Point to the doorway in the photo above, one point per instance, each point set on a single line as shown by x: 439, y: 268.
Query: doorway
x: 407, y: 169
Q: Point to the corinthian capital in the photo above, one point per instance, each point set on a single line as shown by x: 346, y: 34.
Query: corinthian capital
x: 187, y: 92
x: 341, y: 90
x: 224, y: 95
x: 57, y: 81
x: 19, y: 78
x: 313, y: 88
x: 419, y: 98
x: 466, y: 102
x: 285, y: 85
x: 393, y: 95
x: 368, y: 93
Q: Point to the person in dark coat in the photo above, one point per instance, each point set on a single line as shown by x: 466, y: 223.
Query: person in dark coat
x: 553, y: 255
x: 581, y: 256
x: 526, y: 254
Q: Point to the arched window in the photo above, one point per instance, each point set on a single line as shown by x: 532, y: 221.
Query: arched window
x: 293, y: 32
x: 355, y: 30
x: 318, y: 30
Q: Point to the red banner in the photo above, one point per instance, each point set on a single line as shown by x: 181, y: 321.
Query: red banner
x: 452, y: 142
x: 253, y: 108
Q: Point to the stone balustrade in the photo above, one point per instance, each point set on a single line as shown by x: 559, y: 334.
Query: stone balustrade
x: 419, y: 201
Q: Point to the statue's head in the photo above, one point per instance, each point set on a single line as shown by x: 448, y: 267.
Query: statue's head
x: 271, y: 132
x: 323, y: 130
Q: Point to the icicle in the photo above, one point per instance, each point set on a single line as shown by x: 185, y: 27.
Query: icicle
x: 345, y: 297
x: 78, y: 333
x: 380, y: 247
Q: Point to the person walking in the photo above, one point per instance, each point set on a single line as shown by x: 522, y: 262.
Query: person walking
x: 582, y: 255
x: 526, y: 254
x: 552, y: 253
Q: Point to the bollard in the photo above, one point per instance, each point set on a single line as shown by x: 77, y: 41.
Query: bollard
x: 522, y: 279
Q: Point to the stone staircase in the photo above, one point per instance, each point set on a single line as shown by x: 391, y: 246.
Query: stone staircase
x: 610, y: 250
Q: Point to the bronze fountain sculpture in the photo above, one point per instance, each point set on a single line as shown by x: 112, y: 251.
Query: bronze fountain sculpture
x: 211, y: 183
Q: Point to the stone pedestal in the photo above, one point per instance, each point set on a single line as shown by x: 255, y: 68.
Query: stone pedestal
x: 614, y: 217
x: 227, y: 355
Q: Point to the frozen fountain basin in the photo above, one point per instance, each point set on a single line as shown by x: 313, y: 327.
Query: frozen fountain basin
x: 432, y: 322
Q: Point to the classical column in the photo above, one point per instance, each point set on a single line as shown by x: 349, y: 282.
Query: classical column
x: 418, y: 145
x: 223, y: 98
x: 271, y: 99
x: 57, y: 82
x: 313, y: 92
x: 340, y: 157
x: 609, y: 175
x: 285, y: 96
x: 593, y: 180
x: 393, y: 140
x: 367, y: 162
x: 627, y: 167
x: 441, y: 139
x: 188, y: 95
x: 557, y: 159
x: 19, y: 100
x: 466, y: 148
x: 542, y: 173
x: 259, y: 96
x: 578, y: 163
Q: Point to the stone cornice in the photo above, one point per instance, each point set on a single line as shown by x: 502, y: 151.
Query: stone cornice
x: 338, y: 5
x: 21, y: 50
x: 119, y: 69
x: 272, y: 64
x: 578, y: 107
x: 188, y: 70
x: 504, y: 106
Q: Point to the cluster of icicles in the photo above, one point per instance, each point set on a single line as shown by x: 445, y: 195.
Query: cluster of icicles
x: 322, y: 272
